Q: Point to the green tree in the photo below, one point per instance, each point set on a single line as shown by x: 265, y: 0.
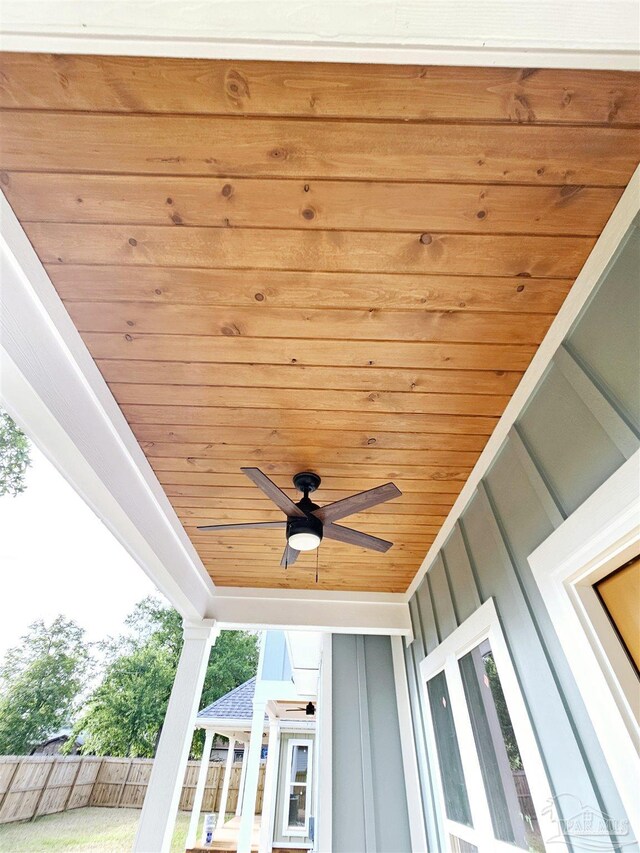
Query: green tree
x: 40, y: 680
x: 14, y: 457
x: 124, y: 715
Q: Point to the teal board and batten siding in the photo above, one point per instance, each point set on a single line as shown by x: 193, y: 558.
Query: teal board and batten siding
x: 580, y: 424
x: 369, y: 811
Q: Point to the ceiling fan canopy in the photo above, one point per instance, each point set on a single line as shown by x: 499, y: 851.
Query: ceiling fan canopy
x: 306, y: 523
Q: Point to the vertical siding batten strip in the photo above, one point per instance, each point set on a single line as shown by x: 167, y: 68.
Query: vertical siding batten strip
x: 436, y: 624
x: 516, y: 429
x: 447, y: 575
x: 619, y: 431
x: 538, y: 483
x: 442, y: 598
x: 365, y: 745
x: 465, y: 593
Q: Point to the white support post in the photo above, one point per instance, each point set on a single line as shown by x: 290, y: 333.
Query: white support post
x: 160, y: 807
x: 251, y: 782
x: 243, y: 774
x: 270, y: 785
x: 224, y: 796
x: 199, y: 792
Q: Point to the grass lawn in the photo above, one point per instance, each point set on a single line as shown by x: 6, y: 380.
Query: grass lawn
x: 93, y: 830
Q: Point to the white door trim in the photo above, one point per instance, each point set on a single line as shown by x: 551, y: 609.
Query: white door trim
x: 602, y: 534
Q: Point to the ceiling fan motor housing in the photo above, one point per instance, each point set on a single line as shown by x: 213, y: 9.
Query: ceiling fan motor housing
x: 306, y: 524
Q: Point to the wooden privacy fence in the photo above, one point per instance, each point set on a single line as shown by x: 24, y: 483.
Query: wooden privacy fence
x: 36, y: 785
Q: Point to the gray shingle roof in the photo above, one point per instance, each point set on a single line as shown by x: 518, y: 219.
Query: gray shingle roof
x: 235, y: 705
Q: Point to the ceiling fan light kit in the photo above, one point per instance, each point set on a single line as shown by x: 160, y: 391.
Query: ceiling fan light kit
x: 306, y: 523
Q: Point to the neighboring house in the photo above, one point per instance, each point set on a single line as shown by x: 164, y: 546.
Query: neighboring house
x: 54, y: 744
x: 271, y: 719
x: 239, y: 234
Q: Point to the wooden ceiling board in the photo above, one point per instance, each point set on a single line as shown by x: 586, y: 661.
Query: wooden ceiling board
x: 343, y: 268
x: 406, y: 92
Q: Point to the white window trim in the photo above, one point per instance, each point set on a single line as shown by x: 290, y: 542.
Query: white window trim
x: 287, y: 830
x: 482, y: 625
x: 601, y: 535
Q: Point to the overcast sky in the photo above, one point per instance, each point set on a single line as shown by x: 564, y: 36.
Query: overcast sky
x: 57, y: 557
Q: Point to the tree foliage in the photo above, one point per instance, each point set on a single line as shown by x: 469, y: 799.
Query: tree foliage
x: 14, y: 457
x: 39, y: 682
x: 124, y: 715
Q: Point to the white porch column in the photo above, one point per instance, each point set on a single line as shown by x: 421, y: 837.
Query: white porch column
x: 158, y: 817
x: 243, y: 774
x: 224, y: 796
x: 270, y: 786
x: 251, y: 782
x: 200, y: 786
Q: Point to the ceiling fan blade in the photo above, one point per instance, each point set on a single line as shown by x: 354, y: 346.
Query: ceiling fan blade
x: 290, y: 556
x: 273, y: 492
x: 354, y: 537
x: 246, y: 525
x: 357, y: 503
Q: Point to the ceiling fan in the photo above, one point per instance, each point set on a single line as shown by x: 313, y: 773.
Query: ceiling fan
x: 309, y: 709
x: 307, y: 523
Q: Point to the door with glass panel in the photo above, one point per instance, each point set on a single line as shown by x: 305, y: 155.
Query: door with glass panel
x: 483, y: 780
x: 297, y: 798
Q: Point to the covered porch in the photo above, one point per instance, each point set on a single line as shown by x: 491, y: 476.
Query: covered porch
x: 420, y: 279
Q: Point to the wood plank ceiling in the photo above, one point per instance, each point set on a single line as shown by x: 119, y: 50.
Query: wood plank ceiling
x: 329, y: 267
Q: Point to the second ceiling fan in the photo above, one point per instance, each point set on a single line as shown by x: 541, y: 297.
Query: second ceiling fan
x: 307, y: 523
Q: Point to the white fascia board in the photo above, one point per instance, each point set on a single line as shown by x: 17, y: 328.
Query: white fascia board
x: 305, y: 652
x: 615, y: 230
x: 598, y: 34
x: 53, y: 389
x: 312, y: 610
x: 226, y: 726
x: 280, y: 691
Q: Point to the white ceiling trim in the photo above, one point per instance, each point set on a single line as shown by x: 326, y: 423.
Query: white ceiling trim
x: 596, y: 34
x: 313, y: 610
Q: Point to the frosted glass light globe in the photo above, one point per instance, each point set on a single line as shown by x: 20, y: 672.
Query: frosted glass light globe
x: 304, y: 541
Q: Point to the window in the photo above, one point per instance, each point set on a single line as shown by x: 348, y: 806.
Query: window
x: 297, y: 797
x: 494, y: 791
x: 619, y: 593
x: 579, y: 569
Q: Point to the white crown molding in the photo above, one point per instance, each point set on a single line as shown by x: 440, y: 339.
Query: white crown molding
x: 508, y: 33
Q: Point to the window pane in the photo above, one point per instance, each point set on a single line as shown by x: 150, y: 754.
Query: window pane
x: 299, y: 763
x: 455, y: 792
x: 458, y: 845
x: 620, y: 593
x: 298, y: 807
x: 512, y: 813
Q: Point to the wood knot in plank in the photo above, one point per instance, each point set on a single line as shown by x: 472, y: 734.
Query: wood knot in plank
x: 236, y: 86
x: 231, y: 330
